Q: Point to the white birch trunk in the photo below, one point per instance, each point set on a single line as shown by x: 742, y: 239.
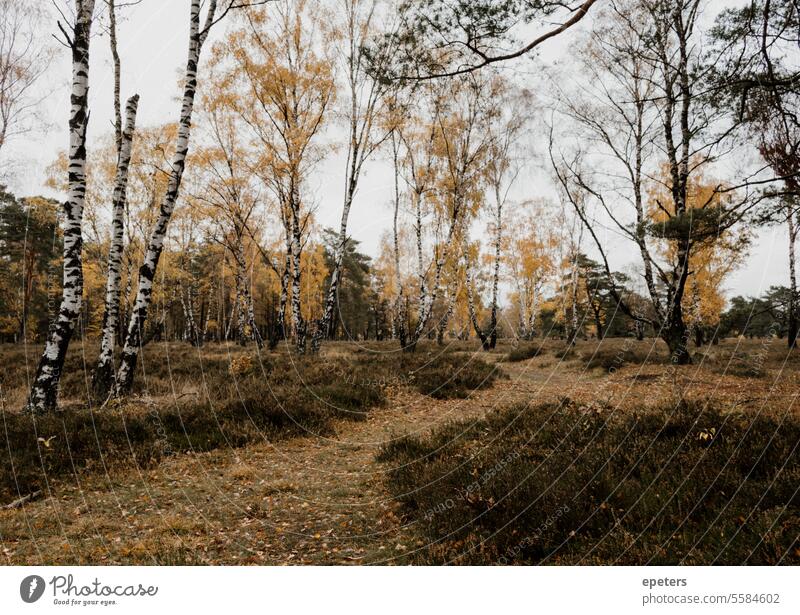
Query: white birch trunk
x: 147, y: 271
x: 44, y: 391
x: 297, y: 314
x: 104, y: 371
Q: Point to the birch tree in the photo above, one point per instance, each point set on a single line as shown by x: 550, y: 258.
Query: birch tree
x: 457, y: 142
x: 133, y: 339
x: 646, y: 98
x: 104, y: 370
x: 44, y: 390
x: 529, y: 259
x: 228, y: 193
x: 419, y: 170
x: 471, y: 253
x: 365, y: 101
x: 287, y: 87
x: 506, y: 129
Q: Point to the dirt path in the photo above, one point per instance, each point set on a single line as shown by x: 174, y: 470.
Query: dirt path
x: 306, y: 500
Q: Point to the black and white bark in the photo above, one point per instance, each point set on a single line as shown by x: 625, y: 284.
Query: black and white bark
x: 400, y: 312
x: 103, y: 375
x: 102, y: 379
x: 473, y: 315
x: 529, y: 286
x: 428, y: 295
x: 246, y: 320
x: 449, y: 302
x: 460, y: 126
x: 280, y: 324
x: 288, y: 92
x: 155, y: 245
x: 44, y: 391
x: 571, y: 319
x: 506, y: 129
x: 419, y: 166
x: 298, y: 320
x: 498, y: 238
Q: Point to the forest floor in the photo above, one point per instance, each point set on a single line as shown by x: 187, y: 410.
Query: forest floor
x: 324, y: 499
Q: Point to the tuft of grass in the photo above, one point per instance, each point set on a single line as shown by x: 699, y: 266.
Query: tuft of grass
x: 737, y: 363
x: 609, y: 358
x: 524, y: 352
x: 567, y: 484
x: 453, y: 376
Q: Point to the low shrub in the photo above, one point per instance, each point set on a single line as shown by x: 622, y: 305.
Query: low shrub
x: 564, y: 353
x: 140, y: 434
x: 228, y: 400
x: 433, y: 371
x: 452, y: 375
x: 523, y: 353
x: 610, y: 358
x: 737, y: 364
x: 575, y: 485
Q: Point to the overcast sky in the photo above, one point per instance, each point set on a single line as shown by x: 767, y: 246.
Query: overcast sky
x: 153, y: 45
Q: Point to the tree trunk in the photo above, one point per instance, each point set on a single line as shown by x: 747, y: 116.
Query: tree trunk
x: 103, y: 376
x: 598, y: 323
x: 400, y: 311
x: 534, y: 312
x: 473, y: 317
x: 792, y: 324
x: 246, y: 313
x: 325, y: 327
x: 44, y: 391
x: 638, y: 327
x: 428, y: 299
x: 279, y: 331
x: 699, y: 336
x: 147, y: 271
x: 297, y: 313
x: 450, y: 302
x: 496, y: 273
x: 677, y: 339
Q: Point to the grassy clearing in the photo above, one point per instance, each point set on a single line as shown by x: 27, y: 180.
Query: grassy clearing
x: 246, y: 504
x: 572, y: 484
x: 197, y: 401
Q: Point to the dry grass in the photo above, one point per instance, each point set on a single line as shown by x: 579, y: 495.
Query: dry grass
x: 574, y: 484
x: 322, y: 497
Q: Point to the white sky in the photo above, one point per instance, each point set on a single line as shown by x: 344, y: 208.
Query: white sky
x: 153, y: 41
